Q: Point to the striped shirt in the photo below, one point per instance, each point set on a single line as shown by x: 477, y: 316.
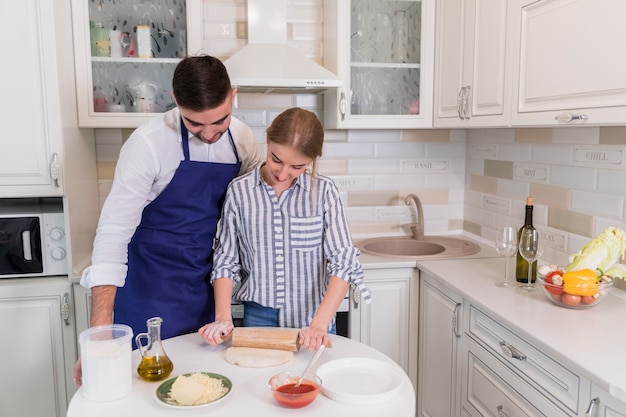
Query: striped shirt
x: 283, y: 252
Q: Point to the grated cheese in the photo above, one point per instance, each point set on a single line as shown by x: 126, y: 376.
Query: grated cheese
x: 196, y: 389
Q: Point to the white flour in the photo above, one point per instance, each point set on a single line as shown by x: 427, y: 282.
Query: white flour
x: 107, y: 369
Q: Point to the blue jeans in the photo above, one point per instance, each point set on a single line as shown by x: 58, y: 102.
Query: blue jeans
x: 255, y: 315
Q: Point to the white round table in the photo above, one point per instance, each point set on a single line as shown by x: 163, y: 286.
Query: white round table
x: 250, y: 395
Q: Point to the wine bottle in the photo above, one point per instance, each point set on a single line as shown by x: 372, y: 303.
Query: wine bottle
x: 521, y: 266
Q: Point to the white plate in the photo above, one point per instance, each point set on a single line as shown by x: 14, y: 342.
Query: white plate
x: 162, y: 392
x: 359, y: 380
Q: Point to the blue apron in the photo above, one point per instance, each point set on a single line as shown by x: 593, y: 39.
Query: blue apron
x: 170, y: 254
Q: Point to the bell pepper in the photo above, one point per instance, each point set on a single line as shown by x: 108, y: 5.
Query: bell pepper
x: 583, y: 282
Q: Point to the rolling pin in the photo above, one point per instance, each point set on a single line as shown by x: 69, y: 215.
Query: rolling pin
x: 266, y: 338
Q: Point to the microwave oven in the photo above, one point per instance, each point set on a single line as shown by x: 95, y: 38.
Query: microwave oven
x: 32, y: 240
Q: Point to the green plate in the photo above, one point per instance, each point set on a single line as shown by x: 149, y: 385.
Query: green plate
x: 162, y: 393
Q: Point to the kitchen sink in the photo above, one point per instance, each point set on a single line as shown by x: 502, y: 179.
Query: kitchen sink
x: 431, y: 247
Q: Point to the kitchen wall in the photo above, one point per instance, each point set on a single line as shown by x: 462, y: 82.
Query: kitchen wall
x: 469, y: 180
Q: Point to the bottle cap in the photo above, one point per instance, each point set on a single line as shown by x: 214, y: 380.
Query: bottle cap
x: 529, y: 201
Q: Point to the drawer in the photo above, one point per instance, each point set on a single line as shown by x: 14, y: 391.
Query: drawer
x: 493, y: 389
x: 537, y: 368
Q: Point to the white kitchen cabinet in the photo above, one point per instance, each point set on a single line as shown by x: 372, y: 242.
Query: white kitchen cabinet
x: 569, y: 64
x: 603, y: 404
x: 43, y: 153
x: 472, y: 64
x: 38, y: 347
x: 383, y: 52
x: 122, y: 80
x: 440, y: 333
x: 533, y: 372
x: 507, y: 373
x: 488, y: 390
x: 389, y: 322
x: 31, y: 128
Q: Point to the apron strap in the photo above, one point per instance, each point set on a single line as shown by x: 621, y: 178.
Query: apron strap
x: 184, y: 134
x: 232, y: 142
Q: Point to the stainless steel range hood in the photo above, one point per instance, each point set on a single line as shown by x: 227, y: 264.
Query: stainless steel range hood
x: 267, y: 64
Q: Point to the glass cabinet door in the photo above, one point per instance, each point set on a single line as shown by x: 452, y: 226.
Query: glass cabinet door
x: 388, y: 78
x: 126, y: 52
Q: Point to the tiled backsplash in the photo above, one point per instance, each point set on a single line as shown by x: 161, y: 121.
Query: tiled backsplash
x: 576, y: 176
x: 467, y: 179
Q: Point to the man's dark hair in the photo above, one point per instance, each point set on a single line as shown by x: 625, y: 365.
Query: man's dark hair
x: 200, y: 82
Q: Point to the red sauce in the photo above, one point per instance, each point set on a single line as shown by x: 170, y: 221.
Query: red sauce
x: 292, y: 389
x: 291, y: 396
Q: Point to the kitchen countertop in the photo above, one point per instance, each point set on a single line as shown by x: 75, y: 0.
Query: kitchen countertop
x: 587, y: 341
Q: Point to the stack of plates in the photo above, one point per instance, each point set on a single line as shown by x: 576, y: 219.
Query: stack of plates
x: 360, y: 380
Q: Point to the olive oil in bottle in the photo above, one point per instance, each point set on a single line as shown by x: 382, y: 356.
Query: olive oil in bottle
x: 155, y: 368
x: 154, y: 365
x: 521, y: 266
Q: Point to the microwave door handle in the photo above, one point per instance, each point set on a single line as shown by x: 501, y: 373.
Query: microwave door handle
x: 26, y: 248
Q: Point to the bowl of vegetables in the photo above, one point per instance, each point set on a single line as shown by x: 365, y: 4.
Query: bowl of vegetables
x: 580, y: 289
x: 590, y: 274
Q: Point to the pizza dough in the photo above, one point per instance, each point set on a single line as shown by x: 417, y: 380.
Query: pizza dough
x: 249, y: 357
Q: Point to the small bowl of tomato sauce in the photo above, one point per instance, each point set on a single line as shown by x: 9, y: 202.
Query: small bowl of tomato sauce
x: 288, y: 394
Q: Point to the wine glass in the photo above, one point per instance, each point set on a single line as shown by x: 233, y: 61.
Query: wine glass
x: 531, y: 249
x: 506, y: 245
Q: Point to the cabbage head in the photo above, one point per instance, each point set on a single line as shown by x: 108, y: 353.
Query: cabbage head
x: 617, y: 271
x: 601, y: 253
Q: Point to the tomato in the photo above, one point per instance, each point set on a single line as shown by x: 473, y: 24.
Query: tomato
x: 588, y: 299
x: 570, y: 299
x: 553, y: 288
x: 549, y: 275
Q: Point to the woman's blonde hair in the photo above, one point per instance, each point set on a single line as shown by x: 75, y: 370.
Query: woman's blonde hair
x: 302, y: 130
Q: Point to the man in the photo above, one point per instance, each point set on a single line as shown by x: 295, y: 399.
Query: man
x: 153, y: 246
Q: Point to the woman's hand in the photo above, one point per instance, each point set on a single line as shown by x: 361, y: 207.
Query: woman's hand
x: 312, y: 337
x: 213, y: 333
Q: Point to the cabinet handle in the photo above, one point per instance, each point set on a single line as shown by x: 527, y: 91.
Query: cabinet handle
x: 459, y: 102
x: 65, y: 309
x: 592, y: 405
x: 568, y: 117
x: 342, y: 106
x: 465, y: 101
x: 54, y: 170
x: 455, y: 320
x: 512, y: 352
x: 501, y: 412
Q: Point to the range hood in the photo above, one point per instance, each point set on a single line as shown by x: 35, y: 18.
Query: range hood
x: 267, y: 64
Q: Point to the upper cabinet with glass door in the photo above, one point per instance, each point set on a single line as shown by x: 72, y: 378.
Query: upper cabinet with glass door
x: 126, y: 52
x: 383, y: 51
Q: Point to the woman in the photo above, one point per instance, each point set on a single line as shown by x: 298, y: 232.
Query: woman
x: 285, y: 238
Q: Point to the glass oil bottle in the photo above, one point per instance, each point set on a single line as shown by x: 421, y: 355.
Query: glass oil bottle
x: 154, y: 365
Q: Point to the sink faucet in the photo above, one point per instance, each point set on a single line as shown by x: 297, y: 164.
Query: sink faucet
x: 417, y: 227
